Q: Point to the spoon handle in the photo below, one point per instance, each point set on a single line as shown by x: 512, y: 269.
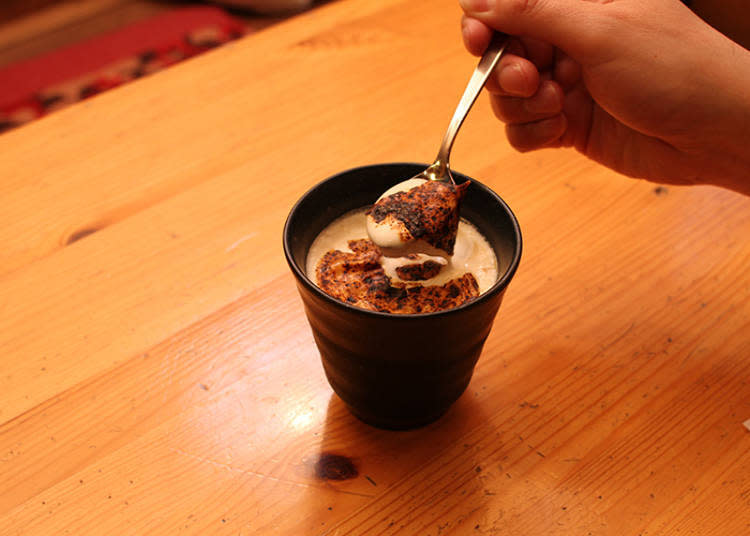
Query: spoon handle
x: 478, y: 78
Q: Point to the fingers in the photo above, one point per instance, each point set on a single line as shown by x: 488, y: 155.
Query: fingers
x: 539, y: 53
x: 514, y: 76
x: 476, y: 35
x: 559, y: 22
x: 537, y: 134
x: 528, y: 85
x: 528, y: 102
x: 566, y: 71
x: 546, y: 102
x: 578, y: 108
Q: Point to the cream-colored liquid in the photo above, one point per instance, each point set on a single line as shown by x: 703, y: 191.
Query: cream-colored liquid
x: 472, y: 253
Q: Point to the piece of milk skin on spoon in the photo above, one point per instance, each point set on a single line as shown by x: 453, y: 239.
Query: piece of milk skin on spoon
x: 391, y: 233
x: 421, y: 222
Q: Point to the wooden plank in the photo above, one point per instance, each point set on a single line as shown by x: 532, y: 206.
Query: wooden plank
x: 578, y: 428
x: 158, y: 374
x: 186, y: 217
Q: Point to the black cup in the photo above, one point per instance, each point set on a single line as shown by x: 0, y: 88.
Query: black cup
x: 397, y: 371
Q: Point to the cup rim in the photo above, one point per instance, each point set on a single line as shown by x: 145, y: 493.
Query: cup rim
x: 498, y: 286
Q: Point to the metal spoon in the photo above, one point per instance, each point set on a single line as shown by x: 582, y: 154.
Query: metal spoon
x: 440, y: 170
x: 388, y: 233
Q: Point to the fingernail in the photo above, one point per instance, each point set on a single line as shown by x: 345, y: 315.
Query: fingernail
x: 476, y: 6
x: 511, y: 80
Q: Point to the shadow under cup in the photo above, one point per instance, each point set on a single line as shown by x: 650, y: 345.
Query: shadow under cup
x: 397, y: 371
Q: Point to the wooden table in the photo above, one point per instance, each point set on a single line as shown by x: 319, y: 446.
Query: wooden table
x: 158, y: 375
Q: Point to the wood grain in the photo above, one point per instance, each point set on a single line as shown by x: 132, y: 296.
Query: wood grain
x: 159, y: 376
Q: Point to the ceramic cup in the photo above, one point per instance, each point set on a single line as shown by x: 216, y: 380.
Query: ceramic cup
x: 397, y: 371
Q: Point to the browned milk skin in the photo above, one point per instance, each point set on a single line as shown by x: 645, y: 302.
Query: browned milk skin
x: 472, y: 254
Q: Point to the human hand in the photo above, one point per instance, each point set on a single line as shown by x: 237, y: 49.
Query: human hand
x: 642, y: 86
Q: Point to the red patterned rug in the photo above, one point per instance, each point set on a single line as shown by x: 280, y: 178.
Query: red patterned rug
x: 33, y: 88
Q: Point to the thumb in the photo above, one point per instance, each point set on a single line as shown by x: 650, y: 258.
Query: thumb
x: 571, y: 25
